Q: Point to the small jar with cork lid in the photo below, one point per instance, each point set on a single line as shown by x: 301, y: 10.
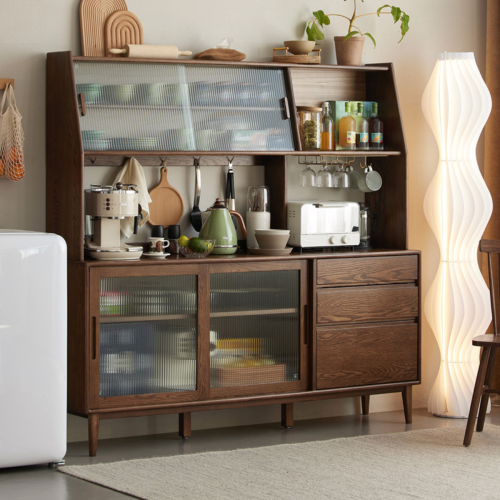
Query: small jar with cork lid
x: 310, y: 127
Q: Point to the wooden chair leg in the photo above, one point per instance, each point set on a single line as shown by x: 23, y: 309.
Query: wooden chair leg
x: 184, y: 425
x: 408, y: 403
x: 93, y: 421
x: 486, y: 397
x: 476, y: 395
x: 287, y: 415
x: 365, y: 404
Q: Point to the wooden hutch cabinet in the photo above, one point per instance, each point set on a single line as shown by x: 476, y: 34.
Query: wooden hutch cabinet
x: 182, y: 335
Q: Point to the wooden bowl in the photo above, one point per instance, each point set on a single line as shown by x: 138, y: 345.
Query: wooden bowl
x: 300, y: 47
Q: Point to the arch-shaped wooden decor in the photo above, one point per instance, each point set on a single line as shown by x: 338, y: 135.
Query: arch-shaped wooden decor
x: 122, y: 28
x: 93, y: 15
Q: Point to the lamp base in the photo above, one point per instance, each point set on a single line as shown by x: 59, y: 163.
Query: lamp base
x: 448, y: 415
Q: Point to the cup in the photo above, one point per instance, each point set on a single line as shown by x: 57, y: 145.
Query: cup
x: 158, y: 245
x: 256, y: 220
x: 370, y: 181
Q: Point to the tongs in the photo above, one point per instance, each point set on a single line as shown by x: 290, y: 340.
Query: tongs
x: 230, y: 192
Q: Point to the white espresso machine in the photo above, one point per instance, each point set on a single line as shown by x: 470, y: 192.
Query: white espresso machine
x: 107, y: 206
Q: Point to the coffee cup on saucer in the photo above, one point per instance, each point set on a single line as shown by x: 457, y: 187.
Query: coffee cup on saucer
x: 157, y: 247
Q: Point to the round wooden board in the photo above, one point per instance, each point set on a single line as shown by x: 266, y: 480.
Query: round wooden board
x: 167, y: 206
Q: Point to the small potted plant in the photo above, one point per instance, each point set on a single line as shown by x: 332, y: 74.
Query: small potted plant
x: 349, y: 48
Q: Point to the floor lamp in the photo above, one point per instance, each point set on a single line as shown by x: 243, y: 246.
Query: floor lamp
x: 456, y: 104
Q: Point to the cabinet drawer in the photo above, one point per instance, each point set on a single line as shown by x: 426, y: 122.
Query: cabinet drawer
x: 367, y: 270
x: 366, y: 355
x: 367, y: 304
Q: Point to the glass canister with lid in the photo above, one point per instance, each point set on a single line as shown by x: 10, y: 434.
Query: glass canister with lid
x: 310, y: 127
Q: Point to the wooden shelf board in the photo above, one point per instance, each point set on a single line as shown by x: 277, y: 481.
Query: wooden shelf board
x: 137, y: 319
x: 227, y: 63
x: 263, y: 312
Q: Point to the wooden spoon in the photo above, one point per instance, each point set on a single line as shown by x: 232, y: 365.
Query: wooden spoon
x: 167, y: 207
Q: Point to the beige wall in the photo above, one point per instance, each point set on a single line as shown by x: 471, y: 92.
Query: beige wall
x: 33, y: 28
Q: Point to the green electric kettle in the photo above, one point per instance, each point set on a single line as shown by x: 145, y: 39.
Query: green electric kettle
x: 220, y: 228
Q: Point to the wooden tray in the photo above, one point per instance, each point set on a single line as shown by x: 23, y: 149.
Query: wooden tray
x: 256, y: 375
x: 122, y: 28
x: 291, y: 59
x: 93, y: 15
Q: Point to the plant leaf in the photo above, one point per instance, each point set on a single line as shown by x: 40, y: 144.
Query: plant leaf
x: 396, y: 13
x: 381, y: 8
x: 352, y: 33
x: 372, y: 39
x: 326, y: 20
x: 310, y: 35
x: 317, y: 33
x: 405, y: 25
x: 320, y: 16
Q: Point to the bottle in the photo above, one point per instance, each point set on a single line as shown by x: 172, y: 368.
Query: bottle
x: 327, y: 128
x: 361, y: 129
x: 376, y: 127
x: 347, y: 130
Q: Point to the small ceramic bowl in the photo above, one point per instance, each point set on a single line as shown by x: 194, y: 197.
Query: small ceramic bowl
x: 300, y: 47
x: 272, y: 239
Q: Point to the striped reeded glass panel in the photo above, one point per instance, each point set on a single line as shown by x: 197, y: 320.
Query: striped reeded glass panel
x: 182, y: 107
x: 148, y: 335
x: 255, y: 328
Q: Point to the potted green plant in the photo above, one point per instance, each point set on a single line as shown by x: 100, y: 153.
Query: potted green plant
x: 349, y: 48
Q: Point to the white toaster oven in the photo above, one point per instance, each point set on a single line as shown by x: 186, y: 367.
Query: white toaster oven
x: 323, y: 223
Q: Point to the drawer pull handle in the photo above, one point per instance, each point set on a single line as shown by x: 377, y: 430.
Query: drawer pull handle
x: 94, y: 337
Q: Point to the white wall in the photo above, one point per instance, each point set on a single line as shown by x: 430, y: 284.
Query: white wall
x: 31, y: 28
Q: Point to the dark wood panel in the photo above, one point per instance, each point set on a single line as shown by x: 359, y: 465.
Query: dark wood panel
x: 312, y: 86
x: 64, y: 155
x: 368, y: 271
x: 78, y: 375
x: 275, y: 180
x: 368, y: 304
x: 371, y: 354
x: 293, y: 109
x: 390, y: 203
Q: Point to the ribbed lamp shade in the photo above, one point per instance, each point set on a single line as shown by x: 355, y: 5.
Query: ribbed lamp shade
x: 458, y: 205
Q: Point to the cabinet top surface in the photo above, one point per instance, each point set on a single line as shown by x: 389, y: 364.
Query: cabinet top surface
x: 245, y: 257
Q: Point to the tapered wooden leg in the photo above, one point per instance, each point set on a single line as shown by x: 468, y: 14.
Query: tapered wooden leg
x: 365, y: 404
x: 476, y: 395
x: 287, y: 415
x: 486, y: 397
x: 93, y: 421
x: 407, y: 403
x: 184, y: 425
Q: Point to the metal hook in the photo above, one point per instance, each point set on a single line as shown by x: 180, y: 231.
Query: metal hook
x: 163, y: 161
x: 93, y: 160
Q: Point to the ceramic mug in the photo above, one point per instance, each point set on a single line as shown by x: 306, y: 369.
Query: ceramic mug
x: 370, y: 181
x: 158, y: 245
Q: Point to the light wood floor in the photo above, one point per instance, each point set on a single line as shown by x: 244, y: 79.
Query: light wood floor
x: 41, y: 483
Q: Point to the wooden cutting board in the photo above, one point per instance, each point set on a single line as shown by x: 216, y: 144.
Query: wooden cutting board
x: 167, y: 207
x: 122, y: 28
x: 93, y: 15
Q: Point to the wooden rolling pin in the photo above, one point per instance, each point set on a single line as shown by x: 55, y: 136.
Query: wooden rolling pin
x: 151, y: 51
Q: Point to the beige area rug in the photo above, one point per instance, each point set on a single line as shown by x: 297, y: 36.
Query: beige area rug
x: 426, y: 464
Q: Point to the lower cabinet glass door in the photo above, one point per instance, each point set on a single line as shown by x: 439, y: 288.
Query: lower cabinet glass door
x: 147, y: 342
x: 255, y: 329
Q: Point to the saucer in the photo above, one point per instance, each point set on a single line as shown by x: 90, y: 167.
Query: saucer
x: 155, y: 255
x: 268, y: 251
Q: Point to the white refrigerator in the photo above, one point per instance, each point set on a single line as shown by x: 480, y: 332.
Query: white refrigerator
x: 33, y: 378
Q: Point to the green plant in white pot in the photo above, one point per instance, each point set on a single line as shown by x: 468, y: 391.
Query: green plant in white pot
x: 349, y: 48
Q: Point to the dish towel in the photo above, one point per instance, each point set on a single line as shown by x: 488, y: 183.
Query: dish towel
x: 133, y: 173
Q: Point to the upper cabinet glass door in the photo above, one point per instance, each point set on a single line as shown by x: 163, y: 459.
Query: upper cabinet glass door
x: 182, y: 107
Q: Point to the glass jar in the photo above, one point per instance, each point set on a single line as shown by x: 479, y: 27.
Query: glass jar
x: 310, y: 127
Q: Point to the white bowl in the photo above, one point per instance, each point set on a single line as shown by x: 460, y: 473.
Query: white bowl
x: 273, y: 232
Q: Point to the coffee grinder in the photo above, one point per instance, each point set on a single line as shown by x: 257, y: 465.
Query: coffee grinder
x: 107, y: 206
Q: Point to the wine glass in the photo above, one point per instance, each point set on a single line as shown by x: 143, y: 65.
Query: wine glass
x: 308, y: 177
x: 324, y: 177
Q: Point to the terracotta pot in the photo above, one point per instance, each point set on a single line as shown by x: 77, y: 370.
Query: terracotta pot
x: 349, y: 53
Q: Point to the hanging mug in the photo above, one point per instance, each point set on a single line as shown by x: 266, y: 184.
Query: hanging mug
x: 370, y: 181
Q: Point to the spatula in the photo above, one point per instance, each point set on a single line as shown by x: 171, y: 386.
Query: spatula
x: 195, y: 215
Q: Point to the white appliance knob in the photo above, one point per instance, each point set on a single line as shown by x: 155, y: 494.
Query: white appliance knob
x: 345, y: 239
x: 332, y: 240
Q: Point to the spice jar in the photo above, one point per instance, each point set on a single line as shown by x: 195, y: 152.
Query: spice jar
x: 173, y: 235
x: 310, y: 127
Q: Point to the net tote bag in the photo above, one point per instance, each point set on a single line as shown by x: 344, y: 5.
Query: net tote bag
x: 11, y: 138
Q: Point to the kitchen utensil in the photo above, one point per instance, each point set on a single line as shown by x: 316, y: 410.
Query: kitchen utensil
x: 230, y: 193
x: 91, y: 91
x: 220, y: 228
x: 341, y: 178
x: 271, y: 239
x: 93, y: 15
x: 157, y: 232
x: 117, y: 94
x: 366, y: 227
x: 324, y: 177
x: 269, y: 251
x: 156, y: 255
x: 353, y: 178
x: 300, y: 47
x: 254, y: 221
x: 150, y: 51
x: 187, y: 252
x: 370, y: 181
x: 258, y: 199
x: 195, y: 215
x: 308, y: 177
x: 158, y: 245
x: 122, y: 28
x: 167, y: 206
x: 173, y: 235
